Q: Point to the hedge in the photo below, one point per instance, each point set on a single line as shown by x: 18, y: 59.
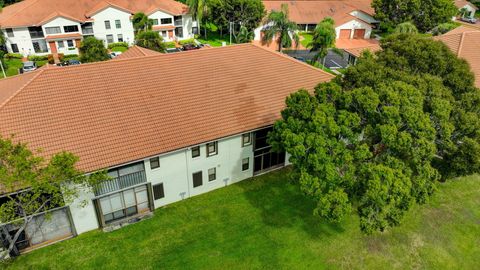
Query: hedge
x: 170, y: 44
x: 37, y: 57
x: 187, y: 41
x: 118, y: 44
x: 13, y: 56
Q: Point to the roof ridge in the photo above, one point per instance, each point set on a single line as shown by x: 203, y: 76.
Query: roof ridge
x: 290, y: 59
x: 460, y: 45
x: 40, y: 71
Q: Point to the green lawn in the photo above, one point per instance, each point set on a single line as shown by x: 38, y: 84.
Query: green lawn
x: 307, y: 38
x: 265, y: 223
x: 215, y: 40
x: 118, y: 49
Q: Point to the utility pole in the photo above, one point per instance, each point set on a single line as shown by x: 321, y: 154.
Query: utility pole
x: 3, y: 70
x: 230, y: 24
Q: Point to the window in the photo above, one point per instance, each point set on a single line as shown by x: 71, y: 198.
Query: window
x: 212, y: 149
x: 70, y: 43
x: 178, y: 20
x: 87, y: 28
x: 124, y: 204
x: 164, y: 34
x: 158, y: 191
x: 118, y: 24
x: 14, y: 48
x: 120, y: 37
x: 195, y: 151
x: 109, y: 39
x: 197, y: 179
x: 60, y: 44
x: 154, y: 21
x: 53, y: 30
x: 166, y: 21
x: 70, y: 28
x: 212, y: 174
x: 35, y: 32
x: 179, y: 32
x: 246, y: 139
x: 195, y: 30
x: 40, y: 46
x: 245, y: 164
x: 9, y: 32
x: 154, y: 163
x: 107, y: 25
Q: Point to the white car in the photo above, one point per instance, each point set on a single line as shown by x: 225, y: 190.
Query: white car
x: 115, y: 54
x: 29, y: 66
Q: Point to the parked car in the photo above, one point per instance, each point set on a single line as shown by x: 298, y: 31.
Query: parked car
x: 173, y: 50
x: 469, y: 20
x: 70, y: 62
x: 114, y: 54
x: 189, y: 47
x: 29, y: 66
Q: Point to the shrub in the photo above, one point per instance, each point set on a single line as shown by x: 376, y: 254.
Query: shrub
x: 13, y: 56
x: 187, y: 41
x: 444, y: 28
x: 71, y: 56
x: 170, y: 44
x: 118, y: 44
x: 38, y: 57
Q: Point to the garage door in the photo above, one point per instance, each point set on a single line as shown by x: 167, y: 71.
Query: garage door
x: 359, y: 34
x: 345, y: 33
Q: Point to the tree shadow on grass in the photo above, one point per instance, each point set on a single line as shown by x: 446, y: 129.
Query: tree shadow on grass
x: 283, y: 205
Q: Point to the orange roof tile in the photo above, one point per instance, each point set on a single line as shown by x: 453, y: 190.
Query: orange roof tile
x: 36, y: 12
x: 466, y: 45
x: 344, y: 43
x: 313, y: 11
x: 113, y: 112
x: 462, y: 3
x: 136, y: 51
x: 163, y: 27
x: 64, y: 36
x: 358, y: 51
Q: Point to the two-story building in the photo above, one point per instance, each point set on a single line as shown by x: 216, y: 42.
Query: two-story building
x: 163, y: 134
x: 58, y: 26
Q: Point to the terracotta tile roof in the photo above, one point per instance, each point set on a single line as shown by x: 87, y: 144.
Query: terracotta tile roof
x: 358, y: 51
x: 344, y: 43
x: 163, y: 27
x: 462, y: 3
x: 64, y: 36
x: 466, y: 45
x: 36, y: 12
x: 312, y: 12
x: 136, y: 51
x: 113, y: 112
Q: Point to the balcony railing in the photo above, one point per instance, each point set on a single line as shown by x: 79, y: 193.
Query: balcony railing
x: 121, y: 182
x: 178, y: 22
x: 87, y: 31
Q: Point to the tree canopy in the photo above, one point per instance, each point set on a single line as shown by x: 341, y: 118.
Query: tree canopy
x: 406, y: 28
x: 150, y: 40
x: 93, y: 50
x: 378, y: 139
x: 246, y: 13
x: 279, y: 27
x: 40, y: 185
x: 141, y: 22
x: 424, y: 14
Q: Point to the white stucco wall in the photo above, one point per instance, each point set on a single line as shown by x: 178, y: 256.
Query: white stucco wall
x: 84, y: 218
x: 22, y: 39
x: 111, y: 14
x: 355, y: 24
x: 363, y: 16
x: 471, y: 10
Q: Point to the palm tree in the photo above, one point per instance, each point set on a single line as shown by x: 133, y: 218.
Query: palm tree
x: 406, y: 28
x: 141, y: 22
x: 198, y: 8
x: 244, y: 36
x: 150, y: 40
x: 280, y: 27
x: 324, y: 37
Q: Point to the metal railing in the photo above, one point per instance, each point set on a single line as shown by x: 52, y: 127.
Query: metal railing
x: 178, y: 22
x: 87, y: 31
x: 121, y: 182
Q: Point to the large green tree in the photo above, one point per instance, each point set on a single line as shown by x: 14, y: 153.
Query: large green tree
x: 34, y: 185
x: 141, y: 22
x: 425, y: 14
x: 93, y: 50
x: 324, y: 37
x: 198, y: 9
x: 278, y: 27
x: 226, y: 14
x: 378, y: 139
x: 150, y: 40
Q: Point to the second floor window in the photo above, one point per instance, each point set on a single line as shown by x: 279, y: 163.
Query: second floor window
x: 166, y: 21
x: 246, y: 139
x: 154, y: 21
x: 154, y: 163
x: 195, y: 151
x: 107, y: 25
x: 212, y: 149
x: 53, y: 30
x: 70, y: 28
x: 118, y: 24
x: 9, y: 32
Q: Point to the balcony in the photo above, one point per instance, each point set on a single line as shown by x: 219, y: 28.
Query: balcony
x: 87, y: 31
x: 178, y: 21
x: 121, y: 182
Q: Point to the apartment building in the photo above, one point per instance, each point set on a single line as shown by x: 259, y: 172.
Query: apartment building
x: 162, y: 134
x: 57, y: 26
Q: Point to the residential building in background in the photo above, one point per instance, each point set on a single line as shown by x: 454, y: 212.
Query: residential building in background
x: 162, y: 134
x: 58, y: 26
x: 353, y: 19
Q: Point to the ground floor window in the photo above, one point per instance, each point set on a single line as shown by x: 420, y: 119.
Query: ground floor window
x: 40, y: 46
x: 15, y: 48
x: 179, y: 32
x: 70, y: 43
x: 264, y: 159
x: 120, y: 37
x: 195, y: 30
x: 109, y: 39
x: 61, y: 44
x: 124, y: 204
